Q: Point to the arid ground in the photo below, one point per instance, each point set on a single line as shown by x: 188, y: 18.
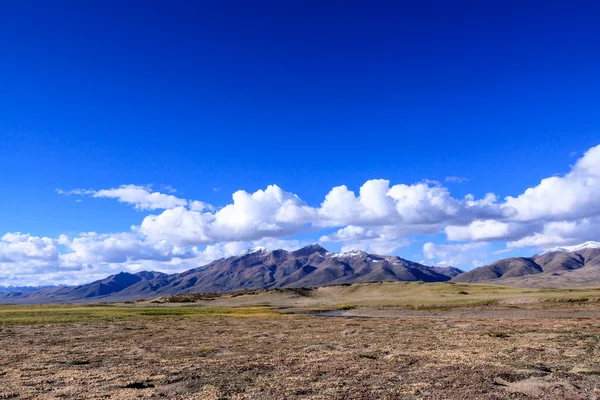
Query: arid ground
x: 530, y: 344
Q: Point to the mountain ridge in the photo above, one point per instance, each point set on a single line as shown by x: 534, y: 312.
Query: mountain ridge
x: 259, y: 268
x: 314, y: 266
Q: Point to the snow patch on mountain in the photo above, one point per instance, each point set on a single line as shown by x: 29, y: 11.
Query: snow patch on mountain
x: 351, y: 254
x: 577, y: 247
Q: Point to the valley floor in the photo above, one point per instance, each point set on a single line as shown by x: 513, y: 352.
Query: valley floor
x: 191, y: 352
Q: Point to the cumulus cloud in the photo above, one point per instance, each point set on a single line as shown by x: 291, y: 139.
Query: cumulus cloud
x: 379, y: 204
x: 26, y: 255
x: 18, y: 247
x: 394, y: 210
x: 267, y: 213
x: 560, y: 210
x: 92, y: 247
x: 572, y: 196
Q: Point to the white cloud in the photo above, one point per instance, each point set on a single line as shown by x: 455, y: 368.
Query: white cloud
x: 91, y: 247
x: 350, y: 233
x: 141, y: 197
x: 480, y: 230
x: 18, y: 247
x: 558, y: 211
x: 381, y: 204
x: 559, y: 233
x: 252, y: 216
x: 433, y: 250
x: 381, y: 240
x: 457, y: 255
x: 395, y: 211
x: 24, y: 255
x: 572, y: 196
x: 179, y: 225
x: 196, y: 205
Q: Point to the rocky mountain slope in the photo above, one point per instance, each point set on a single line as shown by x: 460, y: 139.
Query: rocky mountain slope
x: 256, y: 269
x: 560, y: 267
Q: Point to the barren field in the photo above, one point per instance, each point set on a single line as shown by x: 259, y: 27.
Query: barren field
x: 546, y: 349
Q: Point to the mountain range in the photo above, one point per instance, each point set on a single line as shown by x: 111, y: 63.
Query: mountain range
x: 313, y: 266
x: 559, y: 267
x: 8, y: 289
x: 259, y: 268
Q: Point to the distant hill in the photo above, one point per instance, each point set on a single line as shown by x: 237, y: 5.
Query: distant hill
x: 558, y: 267
x: 9, y: 289
x: 259, y: 268
x: 98, y: 289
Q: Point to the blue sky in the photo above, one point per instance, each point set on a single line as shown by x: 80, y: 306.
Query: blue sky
x: 210, y: 98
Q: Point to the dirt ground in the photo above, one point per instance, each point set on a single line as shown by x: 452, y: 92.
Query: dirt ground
x: 303, y: 357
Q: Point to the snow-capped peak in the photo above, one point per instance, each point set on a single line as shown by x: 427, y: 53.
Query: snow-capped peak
x: 257, y: 249
x: 577, y: 247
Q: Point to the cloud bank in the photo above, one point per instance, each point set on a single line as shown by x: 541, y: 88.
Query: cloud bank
x: 180, y: 233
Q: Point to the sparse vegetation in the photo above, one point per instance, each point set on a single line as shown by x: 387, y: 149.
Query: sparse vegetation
x: 191, y: 351
x: 571, y: 300
x: 60, y: 314
x: 236, y: 345
x: 411, y: 296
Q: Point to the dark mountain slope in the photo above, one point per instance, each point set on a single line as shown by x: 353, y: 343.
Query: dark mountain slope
x: 506, y: 268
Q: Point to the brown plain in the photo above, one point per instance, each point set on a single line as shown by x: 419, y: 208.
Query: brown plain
x: 389, y: 341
